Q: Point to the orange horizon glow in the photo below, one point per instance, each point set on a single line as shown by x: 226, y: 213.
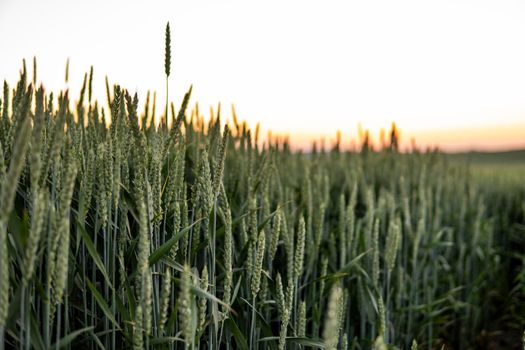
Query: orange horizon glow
x: 484, y: 139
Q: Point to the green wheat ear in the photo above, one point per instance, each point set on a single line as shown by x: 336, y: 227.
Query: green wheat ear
x: 167, y: 51
x: 67, y: 70
x: 167, y: 66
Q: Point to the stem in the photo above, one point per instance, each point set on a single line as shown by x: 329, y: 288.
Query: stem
x: 2, y: 337
x: 22, y: 316
x: 188, y: 252
x: 58, y: 326
x: 296, y: 294
x: 220, y: 333
x: 94, y: 275
x: 387, y: 308
x: 66, y: 316
x: 105, y: 254
x: 166, y: 100
x: 84, y: 296
x: 213, y: 331
x: 252, y: 328
x: 46, y: 324
x: 28, y: 325
x: 113, y: 275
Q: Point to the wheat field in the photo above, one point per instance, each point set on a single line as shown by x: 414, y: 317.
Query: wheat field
x: 202, y: 235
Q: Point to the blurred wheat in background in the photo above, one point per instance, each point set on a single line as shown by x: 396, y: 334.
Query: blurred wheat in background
x: 203, y: 236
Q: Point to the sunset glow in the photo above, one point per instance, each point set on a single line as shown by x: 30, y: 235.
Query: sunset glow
x: 449, y: 73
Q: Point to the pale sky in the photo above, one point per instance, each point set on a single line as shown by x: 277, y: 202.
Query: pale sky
x: 449, y: 73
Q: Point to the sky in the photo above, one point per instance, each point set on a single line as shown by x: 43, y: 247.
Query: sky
x: 450, y: 73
